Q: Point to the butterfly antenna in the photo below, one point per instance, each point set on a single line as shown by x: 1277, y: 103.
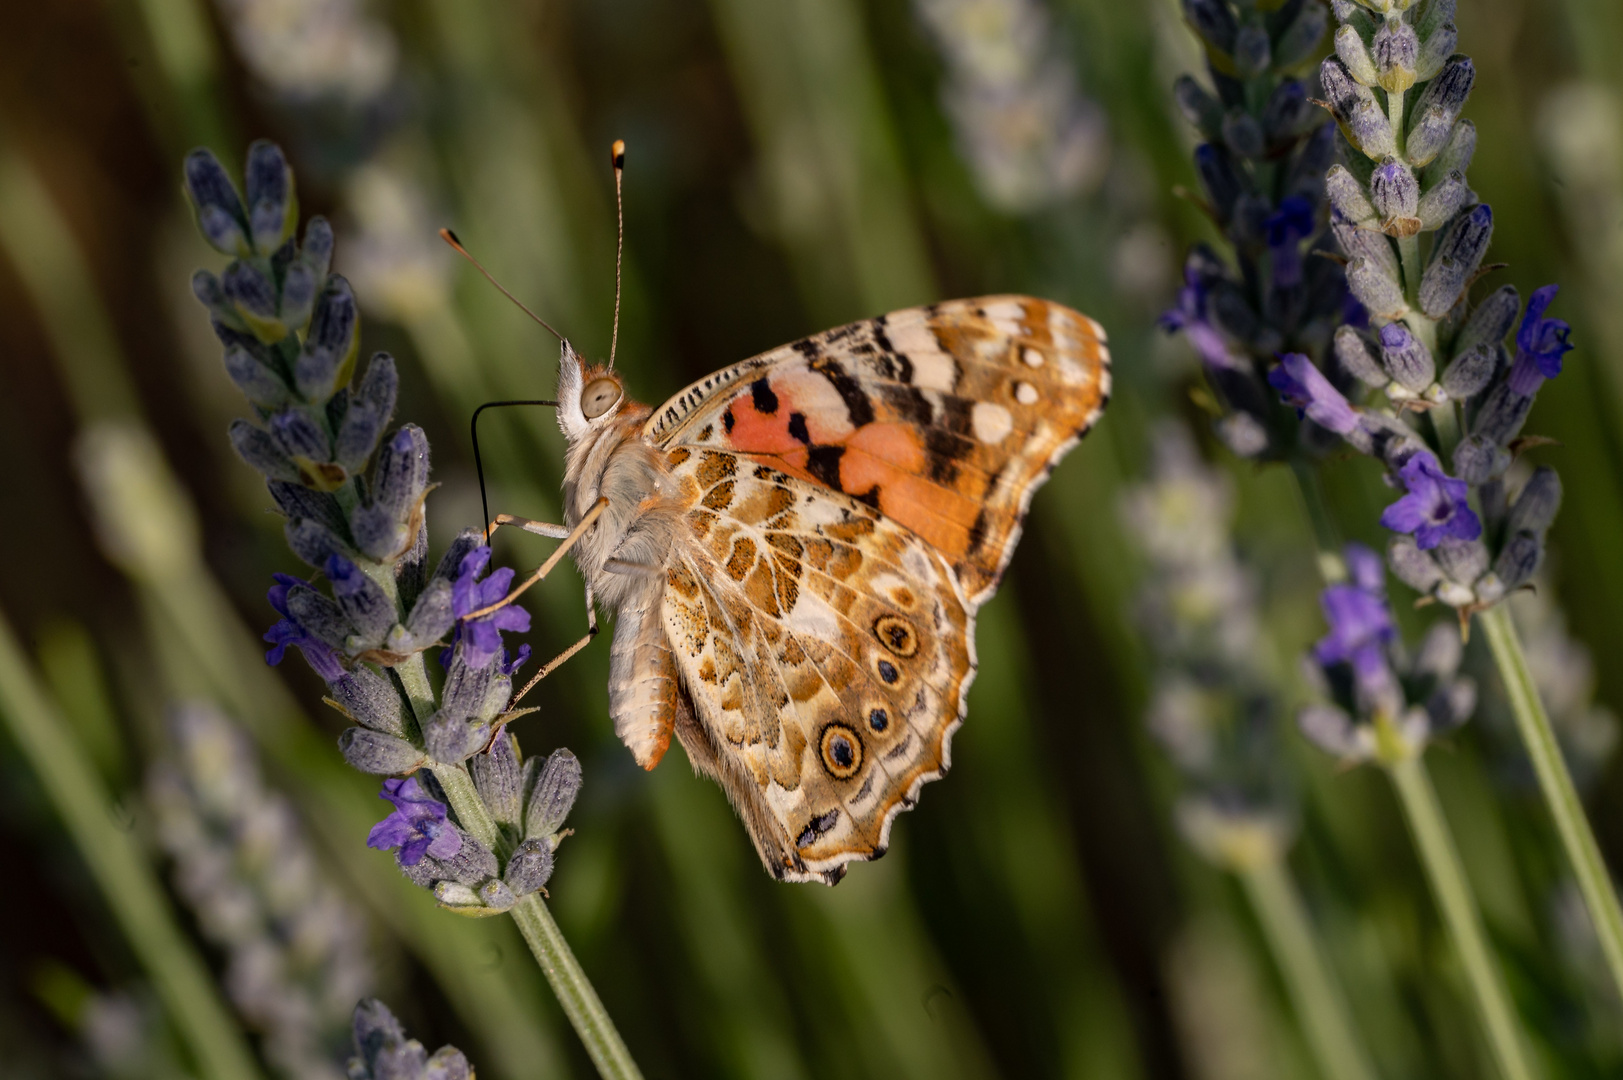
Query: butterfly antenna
x: 617, y: 156
x: 478, y: 463
x: 450, y: 238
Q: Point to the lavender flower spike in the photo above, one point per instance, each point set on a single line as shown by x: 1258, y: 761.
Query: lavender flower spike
x: 1301, y: 384
x: 1435, y: 509
x: 481, y: 638
x: 417, y: 827
x: 1540, y: 344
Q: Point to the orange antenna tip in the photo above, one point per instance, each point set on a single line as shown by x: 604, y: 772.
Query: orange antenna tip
x: 617, y: 153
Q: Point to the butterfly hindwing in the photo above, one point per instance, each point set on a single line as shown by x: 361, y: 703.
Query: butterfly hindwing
x: 826, y: 652
x: 944, y: 418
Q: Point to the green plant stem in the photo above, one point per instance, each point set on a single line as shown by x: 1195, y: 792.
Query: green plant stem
x: 1453, y: 892
x: 575, y: 992
x: 119, y: 866
x: 1326, y: 538
x: 1314, y: 994
x: 552, y: 953
x: 1445, y: 422
x: 1556, y: 782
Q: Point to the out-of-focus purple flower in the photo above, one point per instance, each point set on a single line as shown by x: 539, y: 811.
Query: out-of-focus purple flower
x: 288, y: 631
x: 1365, y: 569
x: 1301, y: 384
x: 1190, y: 315
x: 1287, y: 228
x: 1540, y: 344
x: 481, y: 638
x: 1435, y: 509
x: 418, y: 825
x: 1360, y: 622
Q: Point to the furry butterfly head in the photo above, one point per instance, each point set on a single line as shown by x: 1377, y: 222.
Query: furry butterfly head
x: 589, y: 396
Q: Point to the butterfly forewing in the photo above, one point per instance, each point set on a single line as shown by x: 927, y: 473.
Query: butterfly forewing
x: 944, y: 418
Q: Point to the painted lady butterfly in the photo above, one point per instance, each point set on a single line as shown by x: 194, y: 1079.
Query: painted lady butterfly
x: 796, y: 546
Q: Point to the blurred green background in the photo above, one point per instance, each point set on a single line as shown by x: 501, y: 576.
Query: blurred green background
x: 792, y: 164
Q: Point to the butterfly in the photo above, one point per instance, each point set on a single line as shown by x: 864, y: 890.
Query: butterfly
x: 795, y: 548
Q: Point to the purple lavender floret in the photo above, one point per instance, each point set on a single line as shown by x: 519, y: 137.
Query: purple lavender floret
x: 418, y: 825
x: 1287, y: 228
x: 1435, y: 508
x: 1190, y: 315
x: 1304, y: 386
x: 1360, y: 622
x: 481, y: 638
x: 1540, y: 344
x: 288, y: 631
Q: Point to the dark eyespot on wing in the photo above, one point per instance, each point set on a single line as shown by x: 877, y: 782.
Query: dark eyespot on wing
x: 797, y: 428
x: 727, y: 421
x: 977, y: 532
x: 908, y: 402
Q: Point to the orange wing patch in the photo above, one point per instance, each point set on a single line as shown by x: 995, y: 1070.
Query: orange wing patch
x: 944, y: 418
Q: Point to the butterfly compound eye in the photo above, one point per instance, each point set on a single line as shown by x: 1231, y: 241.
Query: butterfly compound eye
x: 599, y: 397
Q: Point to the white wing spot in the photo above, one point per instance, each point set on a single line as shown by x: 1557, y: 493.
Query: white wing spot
x: 990, y: 422
x: 1025, y: 393
x: 1032, y: 357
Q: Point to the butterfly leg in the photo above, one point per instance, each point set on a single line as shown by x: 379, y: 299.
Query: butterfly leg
x: 557, y: 661
x: 570, y: 540
x: 539, y: 528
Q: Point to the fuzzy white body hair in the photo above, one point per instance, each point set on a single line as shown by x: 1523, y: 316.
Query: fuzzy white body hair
x: 608, y: 457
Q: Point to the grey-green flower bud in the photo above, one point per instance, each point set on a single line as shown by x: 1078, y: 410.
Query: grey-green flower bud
x: 1469, y: 373
x: 1437, y: 109
x: 1331, y: 730
x: 1455, y: 156
x: 1395, y: 50
x: 259, y: 451
x: 1253, y: 52
x: 1478, y: 460
x: 1461, y: 560
x: 499, y: 780
x: 1415, y: 568
x: 370, y: 700
x: 497, y: 896
x: 329, y: 347
x: 1501, y: 416
x: 1443, y: 201
x: 319, y: 615
x: 1213, y: 21
x: 317, y: 247
x: 1300, y: 38
x: 432, y: 615
x: 259, y: 383
x: 1288, y: 114
x: 530, y: 867
x: 1375, y: 289
x: 1538, y: 502
x: 552, y: 795
x: 364, y: 604
x: 1406, y: 357
x: 452, y: 738
x: 253, y: 297
x: 370, y: 407
x: 1361, y: 118
x: 1349, y: 197
x: 1437, y: 13
x: 1436, y: 51
x: 219, y: 210
x: 1490, y: 320
x: 299, y: 436
x: 1355, y: 55
x: 378, y: 754
x: 1200, y: 108
x: 1242, y: 133
x: 1459, y: 251
x: 315, y: 543
x: 1519, y: 560
x: 382, y: 1051
x: 1395, y: 193
x: 1357, y: 358
x: 271, y: 208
